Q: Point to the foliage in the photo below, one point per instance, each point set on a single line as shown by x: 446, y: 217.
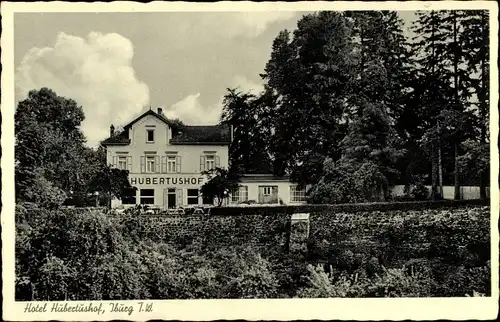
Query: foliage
x: 52, y: 162
x: 308, y: 75
x: 220, y: 184
x: 248, y: 152
x: 420, y: 192
x: 349, y: 182
x: 89, y: 255
x: 43, y: 192
x: 392, y: 282
x: 48, y: 140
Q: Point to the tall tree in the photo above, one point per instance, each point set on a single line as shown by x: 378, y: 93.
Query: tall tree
x: 434, y: 86
x: 52, y: 161
x: 248, y: 115
x: 48, y: 140
x: 309, y: 74
x: 475, y: 40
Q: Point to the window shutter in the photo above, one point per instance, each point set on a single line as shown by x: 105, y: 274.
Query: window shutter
x: 143, y: 164
x: 157, y: 164
x: 217, y: 161
x: 164, y: 164
x: 274, y: 191
x: 202, y: 163
x: 115, y: 158
x: 179, y: 197
x: 129, y: 163
x: 178, y: 164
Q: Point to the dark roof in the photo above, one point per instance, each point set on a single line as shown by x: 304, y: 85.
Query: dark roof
x: 120, y: 139
x: 185, y: 134
x: 263, y: 177
x: 202, y: 134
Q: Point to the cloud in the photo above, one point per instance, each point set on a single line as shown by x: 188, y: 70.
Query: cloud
x: 190, y: 111
x: 244, y: 24
x: 247, y: 85
x: 96, y: 71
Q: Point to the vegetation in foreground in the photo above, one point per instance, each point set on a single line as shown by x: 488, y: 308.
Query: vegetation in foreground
x: 63, y: 255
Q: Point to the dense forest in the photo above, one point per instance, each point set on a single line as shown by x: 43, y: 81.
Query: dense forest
x: 352, y: 106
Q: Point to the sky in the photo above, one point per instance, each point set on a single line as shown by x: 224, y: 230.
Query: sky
x: 117, y: 65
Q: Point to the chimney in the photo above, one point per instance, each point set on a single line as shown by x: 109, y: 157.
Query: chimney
x: 111, y: 130
x: 160, y: 111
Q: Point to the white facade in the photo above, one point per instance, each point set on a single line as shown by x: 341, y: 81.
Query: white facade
x: 167, y: 170
x: 266, y: 189
x: 466, y: 192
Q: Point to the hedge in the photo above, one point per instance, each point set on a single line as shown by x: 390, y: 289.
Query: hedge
x: 349, y: 208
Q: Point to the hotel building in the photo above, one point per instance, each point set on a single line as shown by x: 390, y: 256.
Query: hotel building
x: 165, y: 162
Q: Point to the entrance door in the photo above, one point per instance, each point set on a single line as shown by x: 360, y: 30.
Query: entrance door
x: 170, y: 198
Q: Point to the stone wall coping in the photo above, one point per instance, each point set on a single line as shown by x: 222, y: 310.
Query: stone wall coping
x: 300, y: 216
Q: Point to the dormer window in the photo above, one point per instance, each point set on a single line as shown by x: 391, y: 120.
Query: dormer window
x: 150, y: 135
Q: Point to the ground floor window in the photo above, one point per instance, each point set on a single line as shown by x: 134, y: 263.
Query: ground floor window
x: 192, y: 196
x: 128, y: 197
x: 147, y: 196
x: 297, y: 195
x: 240, y: 194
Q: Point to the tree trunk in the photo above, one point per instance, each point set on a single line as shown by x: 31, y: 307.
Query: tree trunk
x: 434, y: 166
x: 435, y: 160
x: 456, y: 174
x: 482, y: 113
x: 456, y: 104
x: 440, y: 163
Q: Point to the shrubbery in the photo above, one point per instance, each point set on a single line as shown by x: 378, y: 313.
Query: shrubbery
x: 80, y: 255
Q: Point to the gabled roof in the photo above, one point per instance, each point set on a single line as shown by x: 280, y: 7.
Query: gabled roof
x: 153, y: 113
x: 182, y: 135
x: 202, y: 135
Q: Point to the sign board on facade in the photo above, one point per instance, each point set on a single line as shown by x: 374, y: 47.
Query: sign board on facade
x: 166, y: 180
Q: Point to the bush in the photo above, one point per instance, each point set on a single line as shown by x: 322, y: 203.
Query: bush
x: 93, y: 256
x: 391, y: 283
x: 420, y: 192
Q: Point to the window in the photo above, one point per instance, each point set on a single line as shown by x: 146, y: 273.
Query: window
x: 240, y: 194
x: 122, y: 162
x: 150, y: 163
x: 209, y: 162
x: 128, y: 197
x: 171, y: 163
x: 192, y: 196
x: 297, y: 195
x: 266, y: 191
x: 150, y: 136
x: 147, y: 196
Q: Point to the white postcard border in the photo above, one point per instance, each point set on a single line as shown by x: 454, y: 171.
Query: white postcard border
x: 293, y: 309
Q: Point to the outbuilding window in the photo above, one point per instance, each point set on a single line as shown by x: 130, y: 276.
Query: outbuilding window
x: 297, y: 195
x: 240, y: 194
